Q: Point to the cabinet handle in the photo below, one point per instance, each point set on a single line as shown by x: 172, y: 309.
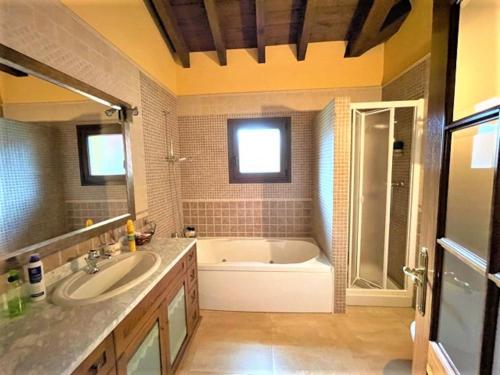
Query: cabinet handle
x: 98, y: 365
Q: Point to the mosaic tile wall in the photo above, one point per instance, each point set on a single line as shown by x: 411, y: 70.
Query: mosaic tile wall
x: 249, y: 218
x: 323, y: 179
x: 159, y: 111
x: 332, y: 139
x: 243, y: 209
x: 203, y: 139
x: 31, y: 185
x: 342, y: 161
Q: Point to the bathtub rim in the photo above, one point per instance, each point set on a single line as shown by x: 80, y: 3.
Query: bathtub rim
x: 321, y: 263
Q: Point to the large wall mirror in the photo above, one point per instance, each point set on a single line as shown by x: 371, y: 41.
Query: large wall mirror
x: 63, y: 164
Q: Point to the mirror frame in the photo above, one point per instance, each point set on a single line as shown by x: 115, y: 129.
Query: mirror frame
x: 15, y: 61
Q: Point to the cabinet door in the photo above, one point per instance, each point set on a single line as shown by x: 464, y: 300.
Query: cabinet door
x: 147, y: 352
x: 177, y: 322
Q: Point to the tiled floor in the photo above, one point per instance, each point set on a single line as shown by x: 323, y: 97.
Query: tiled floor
x: 365, y: 340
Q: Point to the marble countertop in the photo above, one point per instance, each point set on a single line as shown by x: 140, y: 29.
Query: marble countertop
x: 54, y: 340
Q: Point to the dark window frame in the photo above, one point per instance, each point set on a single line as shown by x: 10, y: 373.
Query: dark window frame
x: 83, y: 132
x: 281, y: 123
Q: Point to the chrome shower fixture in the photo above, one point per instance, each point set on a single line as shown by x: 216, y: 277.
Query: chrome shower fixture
x: 111, y: 111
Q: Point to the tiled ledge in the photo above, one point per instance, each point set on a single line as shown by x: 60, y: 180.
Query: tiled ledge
x: 249, y: 218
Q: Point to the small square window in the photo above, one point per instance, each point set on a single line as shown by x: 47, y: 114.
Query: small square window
x: 102, y: 154
x: 259, y: 150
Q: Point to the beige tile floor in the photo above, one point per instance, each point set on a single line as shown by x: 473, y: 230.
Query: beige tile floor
x: 365, y: 340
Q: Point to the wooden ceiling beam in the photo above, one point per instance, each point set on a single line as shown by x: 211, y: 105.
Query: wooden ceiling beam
x: 215, y: 28
x: 169, y: 22
x: 261, y: 32
x: 304, y: 35
x: 370, y: 26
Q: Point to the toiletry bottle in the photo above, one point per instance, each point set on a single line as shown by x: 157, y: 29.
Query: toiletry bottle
x: 131, y: 236
x: 36, y: 278
x: 16, y: 305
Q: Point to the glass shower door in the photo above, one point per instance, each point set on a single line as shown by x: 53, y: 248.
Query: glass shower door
x: 373, y: 140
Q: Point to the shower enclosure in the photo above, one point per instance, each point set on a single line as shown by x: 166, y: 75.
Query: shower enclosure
x: 384, y: 195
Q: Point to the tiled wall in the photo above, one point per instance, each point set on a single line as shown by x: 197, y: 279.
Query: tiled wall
x: 249, y: 218
x: 203, y: 140
x: 332, y: 139
x: 159, y: 111
x: 31, y: 185
x: 412, y: 84
x: 205, y: 181
x: 323, y: 179
x: 341, y: 173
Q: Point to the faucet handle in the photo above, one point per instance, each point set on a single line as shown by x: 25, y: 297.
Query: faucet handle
x: 94, y: 254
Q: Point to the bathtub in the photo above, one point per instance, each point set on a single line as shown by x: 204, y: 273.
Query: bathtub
x: 264, y: 275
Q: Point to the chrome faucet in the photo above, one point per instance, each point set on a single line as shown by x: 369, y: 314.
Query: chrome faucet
x: 92, y: 258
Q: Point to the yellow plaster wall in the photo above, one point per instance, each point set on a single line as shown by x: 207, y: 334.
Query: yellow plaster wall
x: 477, y: 84
x: 128, y: 25
x: 33, y: 90
x: 324, y: 67
x: 411, y: 42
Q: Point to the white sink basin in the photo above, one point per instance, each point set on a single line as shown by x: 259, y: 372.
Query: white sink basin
x: 116, y: 276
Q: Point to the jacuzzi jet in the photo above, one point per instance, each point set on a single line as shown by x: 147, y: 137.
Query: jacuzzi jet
x: 271, y: 261
x: 224, y: 260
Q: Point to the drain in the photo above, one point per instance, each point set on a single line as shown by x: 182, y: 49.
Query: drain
x: 271, y: 261
x: 224, y: 260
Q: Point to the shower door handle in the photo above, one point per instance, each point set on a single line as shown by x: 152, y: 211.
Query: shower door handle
x: 419, y: 277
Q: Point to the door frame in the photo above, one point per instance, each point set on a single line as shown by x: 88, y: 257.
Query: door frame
x: 428, y: 354
x: 389, y: 297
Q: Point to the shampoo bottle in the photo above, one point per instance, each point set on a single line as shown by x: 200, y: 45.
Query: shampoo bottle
x: 36, y: 278
x: 131, y: 236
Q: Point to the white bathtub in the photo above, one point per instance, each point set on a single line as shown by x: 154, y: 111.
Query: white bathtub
x: 266, y: 275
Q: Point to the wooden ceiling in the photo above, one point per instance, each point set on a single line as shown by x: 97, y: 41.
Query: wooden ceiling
x: 217, y: 25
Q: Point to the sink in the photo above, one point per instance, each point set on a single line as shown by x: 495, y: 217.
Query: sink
x: 116, y: 276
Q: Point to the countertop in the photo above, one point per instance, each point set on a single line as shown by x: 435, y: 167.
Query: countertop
x: 54, y: 340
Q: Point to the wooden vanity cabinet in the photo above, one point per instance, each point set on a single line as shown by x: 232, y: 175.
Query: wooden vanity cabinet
x: 153, y: 337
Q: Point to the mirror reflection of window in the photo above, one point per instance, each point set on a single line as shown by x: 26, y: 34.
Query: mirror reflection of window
x: 106, y: 155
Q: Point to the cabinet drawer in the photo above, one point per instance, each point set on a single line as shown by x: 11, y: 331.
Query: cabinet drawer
x: 192, y: 276
x: 134, y: 321
x: 101, y: 361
